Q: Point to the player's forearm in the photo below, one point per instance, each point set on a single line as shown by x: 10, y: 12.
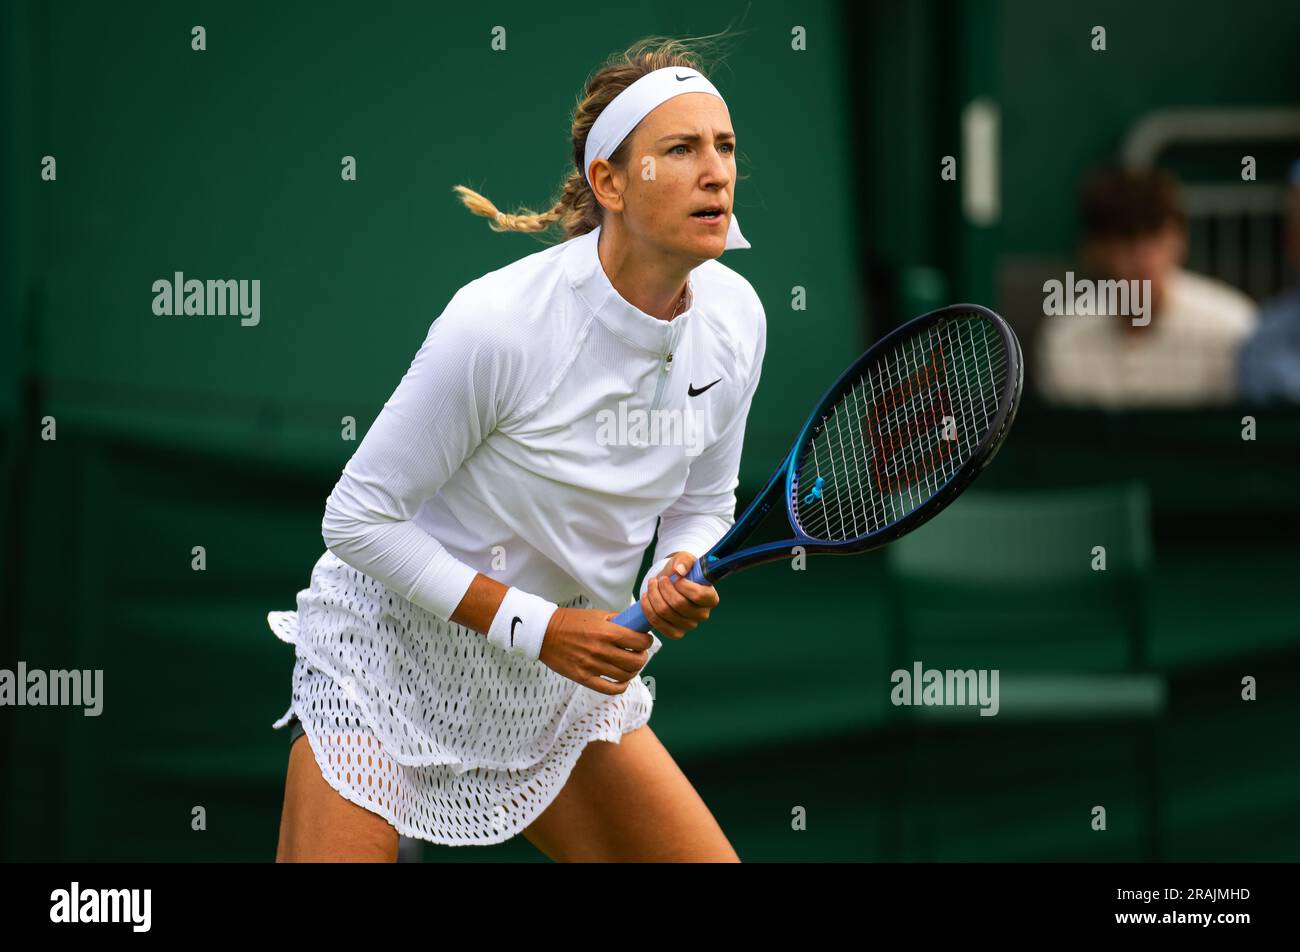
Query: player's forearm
x: 480, y: 605
x: 402, y: 556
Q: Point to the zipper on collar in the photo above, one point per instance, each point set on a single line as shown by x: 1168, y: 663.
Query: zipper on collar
x: 665, y: 365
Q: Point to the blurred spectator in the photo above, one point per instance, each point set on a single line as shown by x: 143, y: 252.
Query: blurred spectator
x: 1133, y: 228
x: 1270, y: 361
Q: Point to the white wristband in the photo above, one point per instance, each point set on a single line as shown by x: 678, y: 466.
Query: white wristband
x: 520, y: 623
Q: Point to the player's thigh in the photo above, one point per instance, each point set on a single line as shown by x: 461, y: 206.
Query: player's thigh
x: 319, y: 825
x: 629, y: 802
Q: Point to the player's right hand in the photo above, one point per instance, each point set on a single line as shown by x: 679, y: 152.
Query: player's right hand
x: 585, y: 646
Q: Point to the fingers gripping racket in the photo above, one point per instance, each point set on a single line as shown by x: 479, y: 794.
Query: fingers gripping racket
x: 895, y: 439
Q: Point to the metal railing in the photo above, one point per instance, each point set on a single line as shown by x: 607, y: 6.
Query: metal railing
x: 1236, y: 229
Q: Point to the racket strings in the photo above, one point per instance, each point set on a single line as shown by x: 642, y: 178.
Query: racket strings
x: 901, y: 431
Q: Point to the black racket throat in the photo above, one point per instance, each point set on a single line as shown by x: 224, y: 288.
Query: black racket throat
x: 894, y: 440
x: 727, y: 556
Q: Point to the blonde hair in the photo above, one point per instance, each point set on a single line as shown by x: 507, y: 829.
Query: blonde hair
x: 576, y: 208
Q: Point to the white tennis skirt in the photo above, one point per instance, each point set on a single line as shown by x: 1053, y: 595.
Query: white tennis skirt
x: 421, y: 721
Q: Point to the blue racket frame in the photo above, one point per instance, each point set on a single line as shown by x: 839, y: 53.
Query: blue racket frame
x: 725, y: 557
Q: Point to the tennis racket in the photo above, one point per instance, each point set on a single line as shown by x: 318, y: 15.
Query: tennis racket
x: 895, y: 439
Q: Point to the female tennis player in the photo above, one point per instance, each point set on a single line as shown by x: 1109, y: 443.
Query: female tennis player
x: 457, y: 675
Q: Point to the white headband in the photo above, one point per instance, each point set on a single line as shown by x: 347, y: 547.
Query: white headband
x: 620, y: 117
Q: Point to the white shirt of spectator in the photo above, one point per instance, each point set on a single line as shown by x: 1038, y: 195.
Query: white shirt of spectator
x: 1185, y: 357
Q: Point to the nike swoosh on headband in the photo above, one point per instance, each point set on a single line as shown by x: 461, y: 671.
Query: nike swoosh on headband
x: 682, y: 79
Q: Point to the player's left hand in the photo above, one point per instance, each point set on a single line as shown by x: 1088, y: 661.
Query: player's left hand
x: 674, y: 608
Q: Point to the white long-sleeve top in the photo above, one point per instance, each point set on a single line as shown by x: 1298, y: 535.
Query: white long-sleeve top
x: 544, y: 426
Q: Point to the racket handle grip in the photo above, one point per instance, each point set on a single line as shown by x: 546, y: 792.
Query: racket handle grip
x: 632, y: 616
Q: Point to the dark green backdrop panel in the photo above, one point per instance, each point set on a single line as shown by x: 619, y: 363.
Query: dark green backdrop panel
x: 225, y: 164
x: 1066, y: 106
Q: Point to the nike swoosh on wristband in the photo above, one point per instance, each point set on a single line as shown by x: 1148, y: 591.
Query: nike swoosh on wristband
x: 692, y: 392
x: 514, y: 621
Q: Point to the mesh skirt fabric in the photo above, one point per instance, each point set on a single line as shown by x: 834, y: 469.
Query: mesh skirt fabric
x: 423, y: 722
